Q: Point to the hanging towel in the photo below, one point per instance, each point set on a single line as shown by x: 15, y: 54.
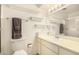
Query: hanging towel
x: 16, y: 28
x: 61, y: 28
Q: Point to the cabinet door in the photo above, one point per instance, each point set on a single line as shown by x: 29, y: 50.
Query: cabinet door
x: 35, y: 47
x: 46, y: 51
x: 38, y: 46
x: 51, y: 46
x: 63, y: 51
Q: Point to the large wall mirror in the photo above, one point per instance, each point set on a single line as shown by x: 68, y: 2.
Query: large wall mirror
x: 72, y: 27
x: 70, y: 16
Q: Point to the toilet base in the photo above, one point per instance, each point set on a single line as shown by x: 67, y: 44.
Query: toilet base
x: 20, y: 52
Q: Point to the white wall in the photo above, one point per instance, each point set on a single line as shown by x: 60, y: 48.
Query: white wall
x: 27, y: 30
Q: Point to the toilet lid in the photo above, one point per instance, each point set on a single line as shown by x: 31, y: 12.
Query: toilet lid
x: 20, y: 52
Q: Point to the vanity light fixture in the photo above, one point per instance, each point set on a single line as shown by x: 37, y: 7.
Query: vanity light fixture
x: 56, y: 7
x: 36, y: 19
x: 7, y: 5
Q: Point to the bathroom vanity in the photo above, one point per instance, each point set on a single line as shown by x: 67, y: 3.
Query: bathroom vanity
x: 50, y: 45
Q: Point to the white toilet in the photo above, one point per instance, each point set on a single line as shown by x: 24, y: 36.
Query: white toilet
x: 20, y: 52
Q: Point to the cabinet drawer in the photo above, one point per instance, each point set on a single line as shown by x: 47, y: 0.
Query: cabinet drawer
x: 63, y: 51
x: 46, y: 51
x: 51, y: 46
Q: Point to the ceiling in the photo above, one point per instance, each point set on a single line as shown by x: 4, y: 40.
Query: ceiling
x: 42, y: 8
x: 34, y: 8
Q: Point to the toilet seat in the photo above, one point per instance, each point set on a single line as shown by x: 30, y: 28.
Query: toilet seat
x: 20, y: 52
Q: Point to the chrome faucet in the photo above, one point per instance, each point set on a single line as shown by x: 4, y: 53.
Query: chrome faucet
x: 57, y: 36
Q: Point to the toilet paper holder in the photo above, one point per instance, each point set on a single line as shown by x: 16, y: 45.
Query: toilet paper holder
x: 29, y: 45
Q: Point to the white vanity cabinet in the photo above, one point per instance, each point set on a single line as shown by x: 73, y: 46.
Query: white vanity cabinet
x: 46, y: 51
x: 46, y: 47
x: 63, y: 51
x: 52, y: 48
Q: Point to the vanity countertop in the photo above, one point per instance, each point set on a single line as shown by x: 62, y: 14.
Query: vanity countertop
x: 63, y: 41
